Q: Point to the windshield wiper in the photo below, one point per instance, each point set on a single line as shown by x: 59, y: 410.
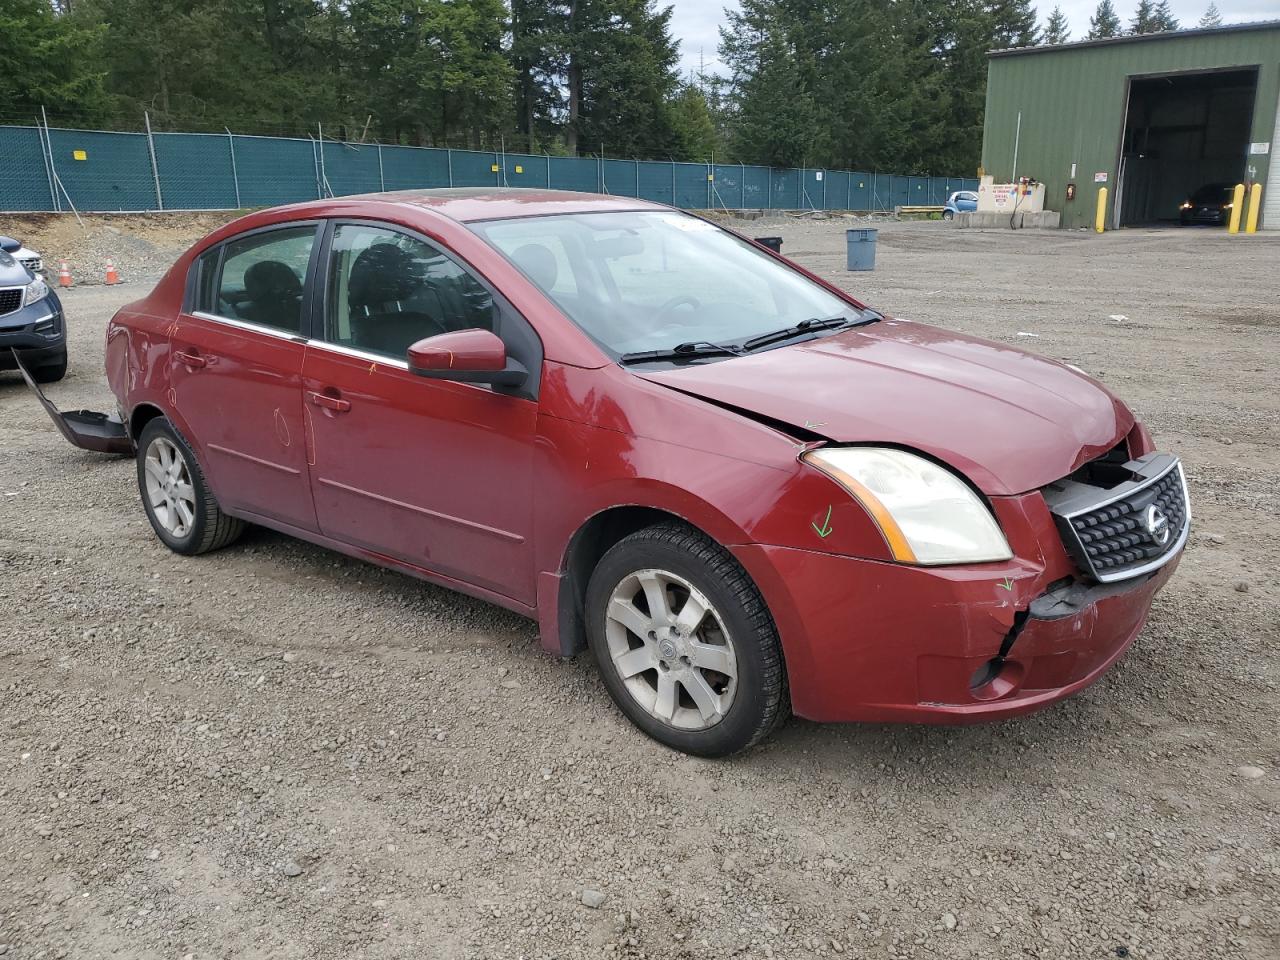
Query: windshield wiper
x: 693, y: 350
x: 809, y: 326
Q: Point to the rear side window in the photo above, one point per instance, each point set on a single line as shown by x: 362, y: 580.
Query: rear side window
x: 207, y: 280
x: 388, y: 290
x: 261, y: 278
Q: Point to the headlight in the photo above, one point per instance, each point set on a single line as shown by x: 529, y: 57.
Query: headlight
x: 1185, y: 206
x: 36, y: 291
x: 927, y: 514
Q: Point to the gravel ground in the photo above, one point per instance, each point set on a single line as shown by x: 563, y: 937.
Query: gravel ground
x: 274, y: 751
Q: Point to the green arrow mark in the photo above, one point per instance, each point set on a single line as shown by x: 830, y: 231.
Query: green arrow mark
x: 823, y: 531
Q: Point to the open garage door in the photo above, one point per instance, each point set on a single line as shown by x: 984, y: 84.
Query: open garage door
x: 1183, y: 133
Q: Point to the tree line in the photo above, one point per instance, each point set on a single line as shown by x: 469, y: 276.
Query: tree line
x: 855, y: 84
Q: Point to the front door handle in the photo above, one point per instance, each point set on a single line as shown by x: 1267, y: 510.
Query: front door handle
x: 192, y: 360
x: 329, y: 402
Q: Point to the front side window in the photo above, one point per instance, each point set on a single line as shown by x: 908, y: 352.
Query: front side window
x: 387, y: 290
x: 262, y: 278
x: 642, y: 280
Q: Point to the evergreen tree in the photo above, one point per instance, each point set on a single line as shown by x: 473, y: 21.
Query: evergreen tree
x: 1056, y: 30
x: 538, y: 67
x: 430, y: 71
x: 51, y: 59
x: 1104, y: 22
x: 774, y: 116
x: 1164, y: 18
x: 620, y: 75
x: 1144, y: 18
x: 1013, y: 23
x: 1211, y: 18
x: 695, y: 135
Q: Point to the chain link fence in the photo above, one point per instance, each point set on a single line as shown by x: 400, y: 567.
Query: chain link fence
x: 58, y: 169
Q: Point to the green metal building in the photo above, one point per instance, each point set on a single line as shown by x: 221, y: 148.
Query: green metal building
x: 1152, y: 117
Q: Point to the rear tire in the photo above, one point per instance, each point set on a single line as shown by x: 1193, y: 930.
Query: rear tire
x: 177, y: 500
x: 51, y: 372
x: 948, y: 215
x: 702, y: 674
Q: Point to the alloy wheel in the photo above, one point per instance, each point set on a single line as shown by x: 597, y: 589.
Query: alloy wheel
x: 671, y: 650
x: 169, y: 490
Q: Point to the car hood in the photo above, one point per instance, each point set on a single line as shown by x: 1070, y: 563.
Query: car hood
x: 12, y: 273
x: 1008, y: 420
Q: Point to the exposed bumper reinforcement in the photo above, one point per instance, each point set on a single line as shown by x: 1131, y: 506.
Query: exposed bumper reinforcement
x: 86, y: 429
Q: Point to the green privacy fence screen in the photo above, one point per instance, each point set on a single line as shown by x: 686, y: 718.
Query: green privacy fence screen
x: 104, y: 172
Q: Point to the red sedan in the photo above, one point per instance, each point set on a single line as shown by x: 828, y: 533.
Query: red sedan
x: 748, y: 493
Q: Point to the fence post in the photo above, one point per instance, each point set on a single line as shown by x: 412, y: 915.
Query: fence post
x: 382, y: 180
x: 673, y: 184
x: 235, y: 174
x: 742, y: 183
x: 448, y: 156
x: 155, y: 170
x: 637, y: 163
x: 770, y: 205
x: 848, y: 190
x: 46, y: 154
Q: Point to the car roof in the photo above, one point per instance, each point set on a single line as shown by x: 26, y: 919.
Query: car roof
x: 468, y: 204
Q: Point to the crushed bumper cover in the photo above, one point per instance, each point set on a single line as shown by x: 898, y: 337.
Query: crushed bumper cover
x: 87, y: 429
x: 873, y: 641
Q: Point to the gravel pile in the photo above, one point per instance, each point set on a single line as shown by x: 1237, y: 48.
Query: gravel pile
x: 274, y: 751
x: 141, y: 247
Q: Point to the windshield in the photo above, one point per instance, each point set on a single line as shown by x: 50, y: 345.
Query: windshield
x: 642, y: 280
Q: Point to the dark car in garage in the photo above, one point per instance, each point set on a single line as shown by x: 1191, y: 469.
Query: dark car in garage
x: 1210, y: 204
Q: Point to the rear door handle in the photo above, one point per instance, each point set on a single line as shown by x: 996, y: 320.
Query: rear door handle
x: 336, y: 404
x: 192, y: 360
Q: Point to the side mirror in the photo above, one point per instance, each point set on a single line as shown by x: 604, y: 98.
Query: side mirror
x: 468, y: 356
x: 9, y: 245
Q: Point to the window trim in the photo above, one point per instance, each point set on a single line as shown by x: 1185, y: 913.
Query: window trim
x: 506, y: 309
x: 196, y: 271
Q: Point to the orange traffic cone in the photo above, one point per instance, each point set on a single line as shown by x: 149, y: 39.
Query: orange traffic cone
x: 112, y: 276
x: 64, y: 275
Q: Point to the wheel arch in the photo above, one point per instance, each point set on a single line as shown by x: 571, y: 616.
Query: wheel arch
x: 140, y: 416
x: 565, y: 631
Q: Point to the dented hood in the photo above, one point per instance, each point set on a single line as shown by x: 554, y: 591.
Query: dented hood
x: 1008, y: 420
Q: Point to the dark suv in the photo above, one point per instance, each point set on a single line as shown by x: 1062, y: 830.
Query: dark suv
x: 31, y: 320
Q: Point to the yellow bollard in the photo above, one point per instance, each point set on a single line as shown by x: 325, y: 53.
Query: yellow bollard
x: 1255, y: 207
x: 1100, y: 219
x: 1237, y: 208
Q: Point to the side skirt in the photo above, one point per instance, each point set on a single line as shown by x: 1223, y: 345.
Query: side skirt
x: 380, y: 560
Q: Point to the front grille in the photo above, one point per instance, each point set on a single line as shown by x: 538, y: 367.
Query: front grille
x: 10, y: 300
x: 1130, y: 529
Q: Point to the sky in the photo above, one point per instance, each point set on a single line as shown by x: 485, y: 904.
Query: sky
x: 695, y: 22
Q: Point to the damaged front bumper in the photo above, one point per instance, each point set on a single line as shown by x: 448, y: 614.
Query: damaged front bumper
x: 87, y: 429
x: 872, y: 641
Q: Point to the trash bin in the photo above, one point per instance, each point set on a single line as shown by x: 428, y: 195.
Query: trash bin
x: 773, y: 243
x: 862, y: 249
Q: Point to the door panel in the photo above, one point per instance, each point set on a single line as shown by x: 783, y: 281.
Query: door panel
x: 236, y: 370
x: 240, y: 393
x: 434, y: 473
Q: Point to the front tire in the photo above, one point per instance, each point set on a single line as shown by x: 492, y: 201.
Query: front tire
x: 685, y: 644
x: 177, y: 500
